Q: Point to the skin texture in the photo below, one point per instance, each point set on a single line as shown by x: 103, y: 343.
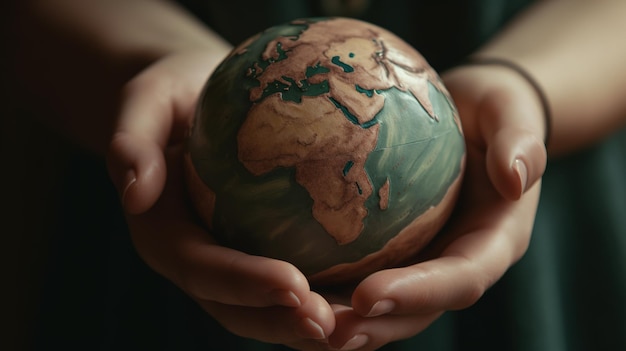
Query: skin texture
x: 159, y: 71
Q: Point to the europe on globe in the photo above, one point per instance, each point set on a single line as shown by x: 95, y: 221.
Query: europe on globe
x: 329, y: 143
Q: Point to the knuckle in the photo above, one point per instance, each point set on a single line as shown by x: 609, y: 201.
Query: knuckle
x: 148, y: 82
x: 471, y: 295
x: 474, y: 288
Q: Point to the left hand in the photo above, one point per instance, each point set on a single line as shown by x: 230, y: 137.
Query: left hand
x: 251, y: 296
x: 489, y: 231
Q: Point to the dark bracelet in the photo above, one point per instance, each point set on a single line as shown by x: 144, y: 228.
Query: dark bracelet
x: 522, y: 72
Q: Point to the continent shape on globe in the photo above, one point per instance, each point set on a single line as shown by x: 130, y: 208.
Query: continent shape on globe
x: 328, y: 148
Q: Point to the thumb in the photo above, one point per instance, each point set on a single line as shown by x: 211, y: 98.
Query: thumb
x: 511, y: 125
x: 515, y: 159
x: 135, y: 157
x: 157, y: 109
x: 137, y: 168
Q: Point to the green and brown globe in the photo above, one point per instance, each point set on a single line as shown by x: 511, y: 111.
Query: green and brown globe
x: 329, y: 143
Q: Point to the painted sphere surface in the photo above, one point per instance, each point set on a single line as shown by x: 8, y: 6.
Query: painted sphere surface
x: 329, y: 143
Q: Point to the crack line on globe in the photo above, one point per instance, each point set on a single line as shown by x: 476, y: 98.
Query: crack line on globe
x: 425, y: 140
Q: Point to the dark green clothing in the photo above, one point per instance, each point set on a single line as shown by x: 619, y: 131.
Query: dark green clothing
x: 567, y: 293
x: 457, y: 26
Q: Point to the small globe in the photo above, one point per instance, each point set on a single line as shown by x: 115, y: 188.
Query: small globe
x: 329, y: 143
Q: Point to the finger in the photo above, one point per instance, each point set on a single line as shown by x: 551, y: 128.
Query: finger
x: 512, y: 127
x: 168, y: 238
x: 502, y: 114
x: 157, y: 109
x: 465, y: 269
x: 215, y: 273
x: 354, y: 332
x: 314, y: 320
x: 516, y: 159
x: 135, y: 159
x: 137, y: 167
x: 211, y: 272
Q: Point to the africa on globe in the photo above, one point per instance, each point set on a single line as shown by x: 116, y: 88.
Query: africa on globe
x: 329, y: 143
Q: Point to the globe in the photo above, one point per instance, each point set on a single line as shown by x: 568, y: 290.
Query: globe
x: 329, y: 143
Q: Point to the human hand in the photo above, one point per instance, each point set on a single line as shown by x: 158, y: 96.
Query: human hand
x: 156, y: 109
x: 489, y: 231
x: 251, y: 296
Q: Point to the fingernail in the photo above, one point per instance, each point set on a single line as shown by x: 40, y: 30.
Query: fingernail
x: 307, y: 328
x: 356, y: 342
x: 381, y: 307
x: 522, y: 173
x: 129, y: 179
x: 285, y: 298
